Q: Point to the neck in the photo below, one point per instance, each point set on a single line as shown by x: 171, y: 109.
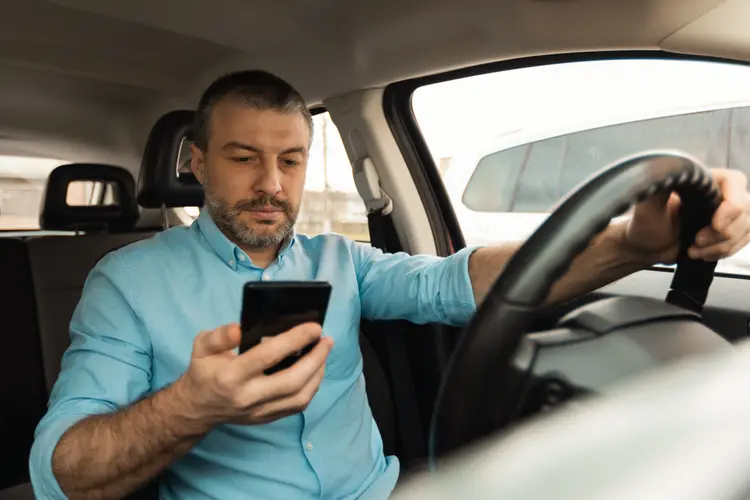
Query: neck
x: 262, y: 257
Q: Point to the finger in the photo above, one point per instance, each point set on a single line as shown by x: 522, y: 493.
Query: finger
x: 737, y: 229
x: 265, y: 419
x: 732, y: 184
x: 707, y: 236
x: 711, y: 242
x: 654, y: 204
x: 293, y: 403
x: 720, y: 250
x: 658, y: 200
x: 711, y: 253
x: 741, y: 244
x: 270, y: 352
x: 291, y: 380
x: 218, y: 341
x: 727, y: 214
x: 733, y: 187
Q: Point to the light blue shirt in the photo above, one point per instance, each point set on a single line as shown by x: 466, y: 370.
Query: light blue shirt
x: 133, y: 330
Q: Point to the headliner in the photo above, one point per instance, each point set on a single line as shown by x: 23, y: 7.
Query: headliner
x: 86, y: 79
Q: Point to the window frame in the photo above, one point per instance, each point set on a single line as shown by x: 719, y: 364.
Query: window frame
x: 397, y: 106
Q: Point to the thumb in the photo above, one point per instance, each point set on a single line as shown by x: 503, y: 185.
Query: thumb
x: 662, y: 203
x: 218, y: 341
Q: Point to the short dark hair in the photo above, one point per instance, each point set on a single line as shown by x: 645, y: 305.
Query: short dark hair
x: 256, y: 88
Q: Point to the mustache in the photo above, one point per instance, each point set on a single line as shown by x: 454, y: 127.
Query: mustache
x: 261, y: 203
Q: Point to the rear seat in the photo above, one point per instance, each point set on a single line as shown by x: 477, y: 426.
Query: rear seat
x: 43, y: 278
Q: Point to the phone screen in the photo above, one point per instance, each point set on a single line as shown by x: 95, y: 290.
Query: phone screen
x: 271, y: 308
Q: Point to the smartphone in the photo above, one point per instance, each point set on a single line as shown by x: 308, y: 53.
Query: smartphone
x: 271, y: 308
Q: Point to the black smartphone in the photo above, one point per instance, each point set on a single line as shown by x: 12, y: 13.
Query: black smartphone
x: 271, y: 308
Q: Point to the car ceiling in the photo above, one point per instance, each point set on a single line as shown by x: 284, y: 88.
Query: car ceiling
x: 85, y: 79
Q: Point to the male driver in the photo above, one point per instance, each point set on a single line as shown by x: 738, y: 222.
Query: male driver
x: 151, y: 382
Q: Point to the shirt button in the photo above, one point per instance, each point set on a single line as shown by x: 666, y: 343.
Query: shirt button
x: 309, y: 446
x: 242, y: 257
x: 231, y: 262
x: 266, y: 277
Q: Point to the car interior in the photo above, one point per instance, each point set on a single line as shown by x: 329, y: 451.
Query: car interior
x: 107, y: 90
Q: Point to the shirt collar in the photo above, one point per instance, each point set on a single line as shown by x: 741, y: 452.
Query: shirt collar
x: 229, y: 252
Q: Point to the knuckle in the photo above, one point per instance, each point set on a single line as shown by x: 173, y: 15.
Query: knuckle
x: 295, y: 381
x: 740, y: 175
x: 269, y: 357
x: 735, y: 208
x: 198, y: 340
x: 246, y: 399
x: 290, y: 384
x: 224, y: 380
x: 240, y: 400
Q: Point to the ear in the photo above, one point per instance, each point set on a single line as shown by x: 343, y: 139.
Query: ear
x: 197, y: 163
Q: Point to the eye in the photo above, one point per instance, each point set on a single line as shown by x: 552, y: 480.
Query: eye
x: 243, y: 159
x: 290, y: 163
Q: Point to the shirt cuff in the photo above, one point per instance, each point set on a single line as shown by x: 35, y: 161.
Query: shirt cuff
x: 40, y: 461
x: 457, y: 295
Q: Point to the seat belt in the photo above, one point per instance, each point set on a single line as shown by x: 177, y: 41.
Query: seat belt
x: 383, y: 235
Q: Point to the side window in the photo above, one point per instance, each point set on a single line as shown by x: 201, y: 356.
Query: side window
x: 510, y: 144
x: 331, y: 202
x: 22, y: 184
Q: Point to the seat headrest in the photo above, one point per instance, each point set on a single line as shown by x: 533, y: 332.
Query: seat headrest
x: 58, y: 215
x: 161, y: 183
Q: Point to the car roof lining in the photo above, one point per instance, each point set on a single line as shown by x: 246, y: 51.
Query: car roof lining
x: 69, y: 66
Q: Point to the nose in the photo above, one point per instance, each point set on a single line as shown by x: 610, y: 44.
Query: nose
x: 268, y: 181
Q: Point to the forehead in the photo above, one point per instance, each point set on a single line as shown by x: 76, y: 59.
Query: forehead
x: 234, y: 121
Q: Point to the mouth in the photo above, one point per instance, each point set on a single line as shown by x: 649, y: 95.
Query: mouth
x: 266, y: 213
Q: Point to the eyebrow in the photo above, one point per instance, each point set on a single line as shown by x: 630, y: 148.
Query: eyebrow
x: 239, y: 145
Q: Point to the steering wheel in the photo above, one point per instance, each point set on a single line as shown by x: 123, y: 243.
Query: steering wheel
x: 495, y: 373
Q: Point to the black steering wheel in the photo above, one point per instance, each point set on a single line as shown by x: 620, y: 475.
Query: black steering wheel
x: 491, y: 373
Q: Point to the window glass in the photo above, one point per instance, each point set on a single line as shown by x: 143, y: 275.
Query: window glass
x: 510, y: 144
x: 22, y: 184
x: 331, y: 202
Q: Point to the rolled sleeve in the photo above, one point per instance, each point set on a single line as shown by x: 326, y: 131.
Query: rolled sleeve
x: 421, y: 289
x: 106, y: 367
x: 48, y: 434
x: 456, y: 290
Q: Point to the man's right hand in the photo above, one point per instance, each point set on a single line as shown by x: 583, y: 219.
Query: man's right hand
x: 221, y: 386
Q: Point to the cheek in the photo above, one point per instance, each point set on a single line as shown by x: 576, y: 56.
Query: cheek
x: 294, y: 187
x: 230, y: 182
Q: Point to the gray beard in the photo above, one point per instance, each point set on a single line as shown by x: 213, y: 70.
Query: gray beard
x: 227, y: 218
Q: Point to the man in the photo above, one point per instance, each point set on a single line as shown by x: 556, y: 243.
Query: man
x: 141, y: 392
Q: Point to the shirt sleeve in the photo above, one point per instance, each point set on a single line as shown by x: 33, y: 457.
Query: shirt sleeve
x: 421, y: 289
x: 106, y: 367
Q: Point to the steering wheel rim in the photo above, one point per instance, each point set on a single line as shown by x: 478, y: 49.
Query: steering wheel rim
x: 468, y: 406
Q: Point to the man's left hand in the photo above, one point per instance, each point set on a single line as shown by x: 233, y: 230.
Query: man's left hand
x: 654, y: 227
